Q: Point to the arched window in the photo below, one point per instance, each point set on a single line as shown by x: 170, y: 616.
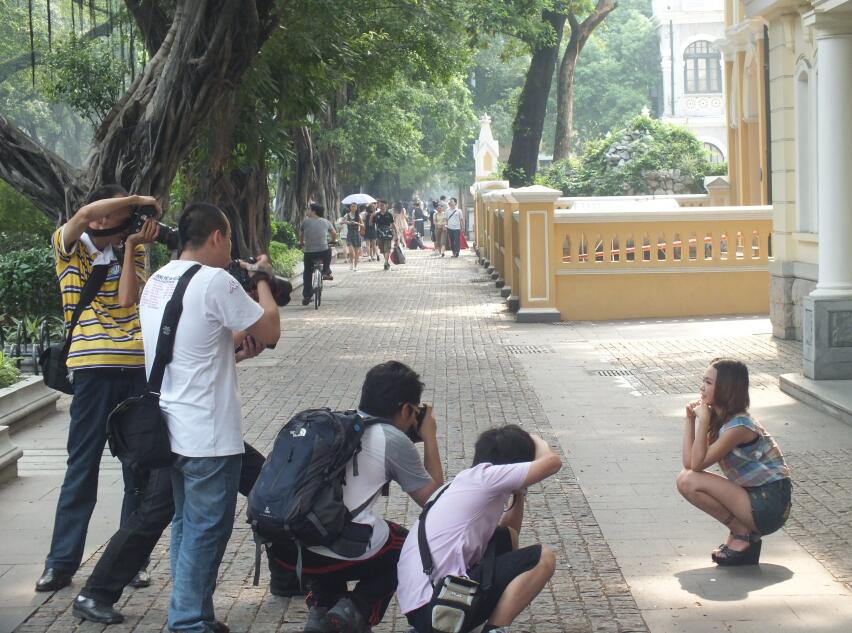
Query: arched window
x: 702, y: 68
x: 716, y: 155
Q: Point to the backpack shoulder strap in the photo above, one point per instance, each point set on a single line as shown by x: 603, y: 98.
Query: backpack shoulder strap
x: 168, y: 328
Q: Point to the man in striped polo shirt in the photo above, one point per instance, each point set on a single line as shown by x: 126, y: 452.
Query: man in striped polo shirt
x: 106, y: 358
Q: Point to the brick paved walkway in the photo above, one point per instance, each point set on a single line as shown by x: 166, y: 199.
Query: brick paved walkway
x: 434, y: 315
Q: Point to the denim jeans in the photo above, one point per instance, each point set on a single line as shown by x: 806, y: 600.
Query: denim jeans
x: 205, y: 497
x: 96, y: 393
x: 131, y: 546
x: 455, y: 240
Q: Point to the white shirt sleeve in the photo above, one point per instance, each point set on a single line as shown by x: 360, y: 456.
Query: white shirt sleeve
x: 227, y: 303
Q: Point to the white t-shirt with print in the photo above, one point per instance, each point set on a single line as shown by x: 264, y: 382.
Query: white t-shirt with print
x: 199, y: 394
x: 386, y: 455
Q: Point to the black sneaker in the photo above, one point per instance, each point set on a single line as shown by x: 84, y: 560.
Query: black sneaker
x: 141, y: 580
x: 387, y: 265
x: 306, y: 300
x: 345, y: 618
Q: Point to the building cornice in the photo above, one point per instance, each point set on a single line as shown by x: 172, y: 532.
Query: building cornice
x: 741, y: 37
x: 769, y: 9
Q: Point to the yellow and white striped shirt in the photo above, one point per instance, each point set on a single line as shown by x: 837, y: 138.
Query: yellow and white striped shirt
x: 107, y: 335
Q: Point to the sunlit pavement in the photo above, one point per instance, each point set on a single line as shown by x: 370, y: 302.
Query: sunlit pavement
x: 631, y: 555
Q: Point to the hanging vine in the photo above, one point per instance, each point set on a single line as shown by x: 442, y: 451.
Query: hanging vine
x: 49, y: 29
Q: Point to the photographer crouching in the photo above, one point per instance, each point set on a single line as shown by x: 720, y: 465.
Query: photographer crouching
x: 104, y: 354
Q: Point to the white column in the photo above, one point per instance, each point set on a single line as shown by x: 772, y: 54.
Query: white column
x: 834, y: 152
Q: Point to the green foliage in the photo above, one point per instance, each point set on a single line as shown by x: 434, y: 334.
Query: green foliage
x: 284, y: 233
x: 9, y: 372
x: 284, y: 258
x: 86, y: 77
x: 409, y: 128
x: 28, y: 283
x: 657, y: 147
x: 617, y: 72
x: 21, y: 224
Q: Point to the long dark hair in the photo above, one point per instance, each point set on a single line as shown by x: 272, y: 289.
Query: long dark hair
x: 730, y: 393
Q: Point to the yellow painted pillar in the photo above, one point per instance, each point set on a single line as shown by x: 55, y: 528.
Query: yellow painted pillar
x: 509, y: 281
x: 537, y: 275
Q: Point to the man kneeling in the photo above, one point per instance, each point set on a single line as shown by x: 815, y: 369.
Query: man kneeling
x: 506, y: 461
x: 391, y: 393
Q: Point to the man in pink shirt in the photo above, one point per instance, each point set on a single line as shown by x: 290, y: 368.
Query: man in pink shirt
x: 506, y: 461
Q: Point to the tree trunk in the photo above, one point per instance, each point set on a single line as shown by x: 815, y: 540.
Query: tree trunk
x: 532, y: 106
x: 580, y: 33
x: 204, y: 55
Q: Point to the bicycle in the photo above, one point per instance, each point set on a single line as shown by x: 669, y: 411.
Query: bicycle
x: 317, y: 282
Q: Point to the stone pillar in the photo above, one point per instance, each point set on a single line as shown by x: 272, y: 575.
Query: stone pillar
x: 509, y: 285
x: 828, y: 310
x: 537, y: 283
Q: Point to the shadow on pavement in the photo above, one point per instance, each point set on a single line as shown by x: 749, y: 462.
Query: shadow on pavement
x: 731, y: 583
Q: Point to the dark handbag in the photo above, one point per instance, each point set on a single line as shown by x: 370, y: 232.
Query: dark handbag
x: 455, y: 599
x: 397, y: 256
x: 137, y: 431
x: 53, y: 360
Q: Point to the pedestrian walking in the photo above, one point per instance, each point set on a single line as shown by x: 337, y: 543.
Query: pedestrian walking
x: 353, y: 224
x: 753, y: 498
x: 455, y: 226
x: 385, y: 231
x: 370, y: 235
x: 439, y: 222
x: 419, y: 218
x: 400, y: 220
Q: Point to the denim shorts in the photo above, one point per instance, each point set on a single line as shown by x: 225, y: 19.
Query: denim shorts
x: 770, y: 505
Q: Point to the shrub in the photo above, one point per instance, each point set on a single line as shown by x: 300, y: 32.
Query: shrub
x: 9, y: 373
x: 284, y: 233
x: 284, y: 259
x: 652, y: 147
x: 28, y: 283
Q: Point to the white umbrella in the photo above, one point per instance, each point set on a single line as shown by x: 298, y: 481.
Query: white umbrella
x: 358, y: 198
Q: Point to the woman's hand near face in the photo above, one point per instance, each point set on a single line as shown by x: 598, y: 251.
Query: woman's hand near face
x: 702, y: 413
x: 690, y: 409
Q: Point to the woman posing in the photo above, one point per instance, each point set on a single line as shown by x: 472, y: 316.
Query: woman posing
x: 753, y: 498
x: 352, y: 221
x: 440, y: 223
x: 370, y: 232
x: 400, y: 221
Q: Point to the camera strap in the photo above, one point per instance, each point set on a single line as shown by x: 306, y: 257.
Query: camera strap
x: 168, y: 329
x: 87, y: 295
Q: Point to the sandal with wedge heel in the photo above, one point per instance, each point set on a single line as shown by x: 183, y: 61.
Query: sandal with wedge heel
x: 728, y: 557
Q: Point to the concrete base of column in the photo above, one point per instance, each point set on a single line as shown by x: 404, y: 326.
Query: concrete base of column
x: 831, y: 396
x: 499, y: 283
x: 513, y: 302
x: 827, y: 338
x: 505, y: 292
x: 538, y: 315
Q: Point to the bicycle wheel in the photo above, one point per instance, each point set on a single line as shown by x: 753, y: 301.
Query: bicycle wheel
x: 317, y: 288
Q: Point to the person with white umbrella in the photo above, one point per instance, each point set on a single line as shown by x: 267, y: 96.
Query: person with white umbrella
x: 352, y: 220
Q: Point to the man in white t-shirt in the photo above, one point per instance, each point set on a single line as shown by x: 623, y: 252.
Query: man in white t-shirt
x: 200, y: 401
x: 506, y: 460
x: 391, y: 392
x: 455, y: 226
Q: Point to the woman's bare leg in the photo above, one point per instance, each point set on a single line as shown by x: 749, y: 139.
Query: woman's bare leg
x: 722, y: 499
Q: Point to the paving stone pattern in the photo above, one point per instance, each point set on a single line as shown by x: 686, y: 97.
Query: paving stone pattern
x: 821, y: 518
x: 428, y: 314
x: 673, y: 365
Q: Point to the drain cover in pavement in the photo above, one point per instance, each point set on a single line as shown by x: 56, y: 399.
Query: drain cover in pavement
x: 614, y: 372
x: 529, y: 349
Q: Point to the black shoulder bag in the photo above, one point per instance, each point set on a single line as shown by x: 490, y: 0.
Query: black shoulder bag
x: 136, y: 429
x: 53, y: 361
x: 455, y: 599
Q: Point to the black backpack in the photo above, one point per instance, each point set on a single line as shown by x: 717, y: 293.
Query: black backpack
x: 299, y: 492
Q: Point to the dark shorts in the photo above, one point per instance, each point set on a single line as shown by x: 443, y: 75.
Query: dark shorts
x: 510, y: 564
x: 770, y: 505
x: 385, y: 246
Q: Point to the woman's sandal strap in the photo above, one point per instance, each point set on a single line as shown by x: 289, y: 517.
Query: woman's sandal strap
x: 748, y: 538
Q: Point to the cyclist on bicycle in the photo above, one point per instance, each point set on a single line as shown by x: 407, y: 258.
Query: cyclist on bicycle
x: 313, y: 240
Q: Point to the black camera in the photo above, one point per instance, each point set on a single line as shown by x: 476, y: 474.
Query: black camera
x: 414, y: 432
x: 168, y: 235
x: 280, y: 287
